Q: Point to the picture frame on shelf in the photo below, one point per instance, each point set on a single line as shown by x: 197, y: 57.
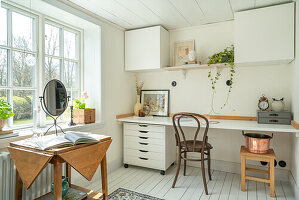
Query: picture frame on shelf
x: 155, y: 102
x: 181, y: 51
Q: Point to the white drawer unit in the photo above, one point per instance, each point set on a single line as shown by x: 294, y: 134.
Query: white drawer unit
x: 151, y: 146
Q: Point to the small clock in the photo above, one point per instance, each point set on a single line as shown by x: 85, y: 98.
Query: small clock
x: 263, y: 103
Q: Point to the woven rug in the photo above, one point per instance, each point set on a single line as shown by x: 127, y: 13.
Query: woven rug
x: 124, y: 194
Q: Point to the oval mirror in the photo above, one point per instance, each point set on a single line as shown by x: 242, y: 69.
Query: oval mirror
x: 55, y: 97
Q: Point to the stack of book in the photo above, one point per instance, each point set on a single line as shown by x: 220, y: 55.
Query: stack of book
x: 7, y: 133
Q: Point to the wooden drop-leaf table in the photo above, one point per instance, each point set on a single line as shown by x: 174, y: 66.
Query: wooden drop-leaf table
x: 84, y: 158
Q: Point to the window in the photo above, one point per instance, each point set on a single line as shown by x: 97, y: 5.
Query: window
x: 18, y: 63
x: 22, y: 73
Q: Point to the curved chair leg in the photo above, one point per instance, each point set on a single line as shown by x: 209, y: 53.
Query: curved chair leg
x: 185, y: 162
x: 203, y: 173
x: 209, y: 164
x: 178, y: 169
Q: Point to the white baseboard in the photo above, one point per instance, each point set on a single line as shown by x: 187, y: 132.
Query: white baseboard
x: 294, y: 186
x: 232, y: 167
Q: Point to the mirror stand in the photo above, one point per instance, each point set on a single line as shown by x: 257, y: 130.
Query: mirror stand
x: 53, y: 117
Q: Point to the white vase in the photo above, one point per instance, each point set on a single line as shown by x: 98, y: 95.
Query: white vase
x: 278, y: 105
x: 137, y: 106
x: 192, y: 56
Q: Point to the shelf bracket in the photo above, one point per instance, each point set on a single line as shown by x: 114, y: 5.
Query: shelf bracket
x: 184, y: 72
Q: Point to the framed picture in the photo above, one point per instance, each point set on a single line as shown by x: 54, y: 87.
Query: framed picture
x: 181, y: 51
x: 155, y: 102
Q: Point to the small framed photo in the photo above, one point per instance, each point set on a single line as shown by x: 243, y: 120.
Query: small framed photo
x: 181, y: 51
x: 155, y: 102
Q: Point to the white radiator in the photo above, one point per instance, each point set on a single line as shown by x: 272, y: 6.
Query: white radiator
x: 41, y: 185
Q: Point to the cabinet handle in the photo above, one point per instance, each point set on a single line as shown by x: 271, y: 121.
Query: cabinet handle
x: 143, y: 158
x: 142, y: 143
x: 142, y: 125
x: 143, y: 138
x: 143, y: 151
x: 273, y: 114
x: 143, y: 131
x: 273, y: 120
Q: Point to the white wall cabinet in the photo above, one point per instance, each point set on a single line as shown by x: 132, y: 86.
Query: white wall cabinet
x: 146, y: 49
x: 151, y: 146
x: 265, y: 35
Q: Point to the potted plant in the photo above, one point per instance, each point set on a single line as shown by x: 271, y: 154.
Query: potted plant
x: 227, y: 58
x: 81, y: 114
x: 5, y: 112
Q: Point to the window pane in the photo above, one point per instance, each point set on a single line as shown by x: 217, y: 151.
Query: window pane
x: 52, y: 40
x: 22, y: 106
x: 3, y: 67
x: 70, y: 45
x: 22, y: 33
x: 23, y: 69
x: 3, y: 26
x: 71, y: 76
x: 3, y: 94
x: 52, y: 68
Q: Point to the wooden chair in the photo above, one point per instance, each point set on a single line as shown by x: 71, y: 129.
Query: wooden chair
x: 185, y: 146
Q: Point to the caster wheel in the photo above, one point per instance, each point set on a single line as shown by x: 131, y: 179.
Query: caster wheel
x: 172, y: 164
x: 126, y: 165
x: 162, y: 172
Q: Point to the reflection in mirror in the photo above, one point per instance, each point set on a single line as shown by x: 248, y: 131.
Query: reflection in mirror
x: 55, y: 97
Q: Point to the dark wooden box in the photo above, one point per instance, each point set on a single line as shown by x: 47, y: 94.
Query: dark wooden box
x: 84, y: 116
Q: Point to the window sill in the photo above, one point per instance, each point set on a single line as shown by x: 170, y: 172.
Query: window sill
x: 27, y: 132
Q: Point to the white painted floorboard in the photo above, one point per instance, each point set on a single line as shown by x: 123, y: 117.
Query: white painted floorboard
x: 224, y: 185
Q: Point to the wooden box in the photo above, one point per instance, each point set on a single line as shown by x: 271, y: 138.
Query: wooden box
x: 84, y: 116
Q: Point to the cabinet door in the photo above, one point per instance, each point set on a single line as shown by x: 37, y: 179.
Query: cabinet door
x: 142, y: 49
x: 265, y: 35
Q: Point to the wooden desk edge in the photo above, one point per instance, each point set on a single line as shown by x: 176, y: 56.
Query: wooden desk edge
x: 227, y: 117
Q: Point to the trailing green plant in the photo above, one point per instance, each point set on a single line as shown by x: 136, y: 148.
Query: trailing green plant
x: 227, y: 58
x: 5, y: 109
x: 79, y: 103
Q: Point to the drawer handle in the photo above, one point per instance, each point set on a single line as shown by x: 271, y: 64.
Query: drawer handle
x: 143, y: 151
x: 273, y: 120
x: 274, y: 115
x: 142, y: 143
x: 143, y: 137
x: 142, y: 125
x: 143, y: 158
x: 143, y: 131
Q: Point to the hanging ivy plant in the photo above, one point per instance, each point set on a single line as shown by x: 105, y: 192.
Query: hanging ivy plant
x: 227, y: 58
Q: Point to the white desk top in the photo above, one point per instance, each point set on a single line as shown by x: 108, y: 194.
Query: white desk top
x: 223, y: 124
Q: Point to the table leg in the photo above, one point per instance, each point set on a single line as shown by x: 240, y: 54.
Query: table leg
x: 104, y: 178
x: 19, y: 187
x: 68, y: 172
x: 272, y: 193
x: 243, y: 172
x: 57, y: 179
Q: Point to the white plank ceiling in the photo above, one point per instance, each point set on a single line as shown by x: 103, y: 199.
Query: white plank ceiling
x: 172, y: 14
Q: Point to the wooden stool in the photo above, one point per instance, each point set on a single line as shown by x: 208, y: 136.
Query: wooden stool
x: 268, y: 157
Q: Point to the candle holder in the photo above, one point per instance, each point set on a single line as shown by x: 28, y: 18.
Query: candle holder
x: 71, y: 122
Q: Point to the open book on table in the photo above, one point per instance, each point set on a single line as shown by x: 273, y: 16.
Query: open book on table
x: 70, y: 138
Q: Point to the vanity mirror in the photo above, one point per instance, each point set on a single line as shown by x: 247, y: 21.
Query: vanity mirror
x: 54, y: 101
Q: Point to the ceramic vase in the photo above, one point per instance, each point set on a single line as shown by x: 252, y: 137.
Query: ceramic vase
x: 192, y: 56
x: 2, y: 123
x: 137, y: 106
x: 278, y: 105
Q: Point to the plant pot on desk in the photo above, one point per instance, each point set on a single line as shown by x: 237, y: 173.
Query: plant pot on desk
x: 84, y: 116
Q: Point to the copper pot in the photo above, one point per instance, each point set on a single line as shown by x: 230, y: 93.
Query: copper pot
x: 257, y: 143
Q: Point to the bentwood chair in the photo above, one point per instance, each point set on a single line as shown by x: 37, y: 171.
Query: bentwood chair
x: 195, y: 145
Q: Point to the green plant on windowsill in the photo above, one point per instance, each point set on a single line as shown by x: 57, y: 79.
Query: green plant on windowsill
x: 79, y: 103
x: 227, y: 58
x: 5, y: 112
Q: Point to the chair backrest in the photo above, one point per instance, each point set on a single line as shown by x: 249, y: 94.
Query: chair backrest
x: 179, y: 133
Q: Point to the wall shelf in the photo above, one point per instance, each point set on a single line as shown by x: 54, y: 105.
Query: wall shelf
x: 185, y: 68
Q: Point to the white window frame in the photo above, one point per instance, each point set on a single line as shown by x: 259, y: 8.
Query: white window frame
x: 40, y: 21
